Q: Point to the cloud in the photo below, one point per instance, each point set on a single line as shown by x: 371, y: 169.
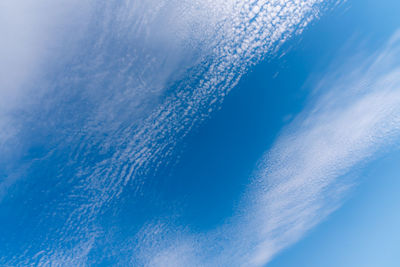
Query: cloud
x: 34, y: 33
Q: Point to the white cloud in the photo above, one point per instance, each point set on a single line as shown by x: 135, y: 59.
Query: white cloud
x: 33, y: 34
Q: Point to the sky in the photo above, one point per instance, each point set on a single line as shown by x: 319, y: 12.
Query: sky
x: 199, y: 133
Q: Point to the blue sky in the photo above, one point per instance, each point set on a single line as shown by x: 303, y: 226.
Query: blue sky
x: 209, y: 133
